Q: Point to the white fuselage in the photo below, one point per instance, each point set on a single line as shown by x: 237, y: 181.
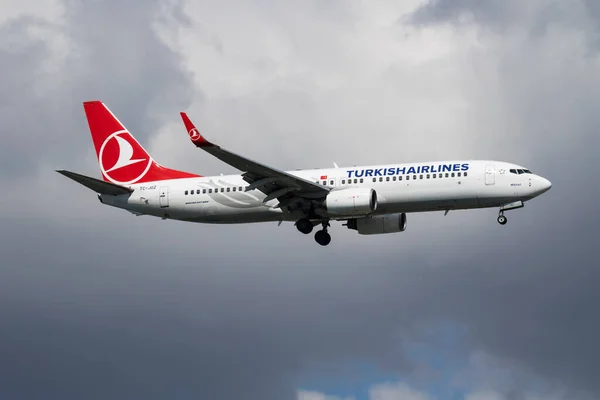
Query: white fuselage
x: 401, y: 188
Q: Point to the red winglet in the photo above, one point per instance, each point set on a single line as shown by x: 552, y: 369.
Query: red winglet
x: 194, y: 133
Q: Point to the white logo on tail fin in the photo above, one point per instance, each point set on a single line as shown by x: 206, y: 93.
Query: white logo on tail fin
x: 125, y: 170
x: 194, y: 134
x: 125, y: 154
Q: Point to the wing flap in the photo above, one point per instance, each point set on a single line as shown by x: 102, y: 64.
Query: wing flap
x: 96, y: 185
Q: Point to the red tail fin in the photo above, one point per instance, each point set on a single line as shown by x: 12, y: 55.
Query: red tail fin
x: 122, y: 159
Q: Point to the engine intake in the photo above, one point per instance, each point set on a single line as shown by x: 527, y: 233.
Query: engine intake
x: 379, y: 224
x: 351, y: 201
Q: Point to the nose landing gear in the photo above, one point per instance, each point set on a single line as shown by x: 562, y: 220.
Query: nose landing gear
x: 510, y: 206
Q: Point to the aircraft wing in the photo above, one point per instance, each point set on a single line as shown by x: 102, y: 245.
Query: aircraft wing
x: 271, y: 181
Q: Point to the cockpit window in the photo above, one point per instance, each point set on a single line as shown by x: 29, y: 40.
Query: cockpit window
x: 520, y: 171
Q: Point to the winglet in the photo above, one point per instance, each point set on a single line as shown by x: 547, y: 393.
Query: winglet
x: 194, y: 133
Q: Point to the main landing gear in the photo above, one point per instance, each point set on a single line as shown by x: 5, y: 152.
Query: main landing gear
x: 304, y: 225
x: 511, y: 206
x: 322, y: 237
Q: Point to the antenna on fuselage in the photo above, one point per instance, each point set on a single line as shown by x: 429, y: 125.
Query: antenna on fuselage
x: 335, y: 165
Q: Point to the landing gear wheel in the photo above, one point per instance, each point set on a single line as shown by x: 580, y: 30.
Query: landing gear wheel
x: 322, y: 237
x: 304, y: 226
x: 501, y: 219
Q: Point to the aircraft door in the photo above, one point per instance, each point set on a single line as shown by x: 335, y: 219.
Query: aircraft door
x: 163, y: 197
x: 490, y: 174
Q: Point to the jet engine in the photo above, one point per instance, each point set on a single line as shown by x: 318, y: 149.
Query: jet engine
x: 378, y: 224
x: 351, y: 201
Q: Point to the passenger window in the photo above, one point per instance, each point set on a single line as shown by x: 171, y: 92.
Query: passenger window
x: 420, y: 176
x: 387, y: 179
x: 400, y: 178
x: 241, y: 189
x: 407, y: 177
x: 233, y: 188
x: 446, y: 174
x: 203, y: 191
x: 324, y: 183
x: 427, y: 176
x: 331, y: 182
x: 453, y: 174
x: 394, y: 178
x: 458, y: 174
x: 465, y: 174
x: 209, y: 190
x: 361, y: 180
x: 355, y: 180
x: 186, y: 192
x: 434, y: 175
x: 222, y: 190
x: 414, y: 177
x: 380, y: 179
x: 343, y: 181
x: 228, y: 189
x: 374, y: 179
x: 198, y: 191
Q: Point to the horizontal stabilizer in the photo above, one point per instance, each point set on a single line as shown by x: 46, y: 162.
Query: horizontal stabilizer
x: 96, y: 185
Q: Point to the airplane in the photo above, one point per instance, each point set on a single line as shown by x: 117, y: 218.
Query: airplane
x: 371, y: 199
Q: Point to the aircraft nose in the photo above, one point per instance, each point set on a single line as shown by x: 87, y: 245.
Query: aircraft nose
x: 545, y: 185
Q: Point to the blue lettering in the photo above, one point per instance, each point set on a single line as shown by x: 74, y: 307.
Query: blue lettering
x: 377, y: 172
x: 425, y: 168
x: 362, y: 172
x: 446, y: 168
x: 465, y: 167
x: 400, y: 170
x: 411, y: 170
x: 433, y: 169
x: 456, y: 167
x: 391, y: 171
x: 350, y: 173
x: 369, y: 172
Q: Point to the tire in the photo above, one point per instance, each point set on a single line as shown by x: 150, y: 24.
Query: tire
x: 304, y: 226
x: 323, y: 238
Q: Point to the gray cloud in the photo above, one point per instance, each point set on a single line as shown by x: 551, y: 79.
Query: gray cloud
x: 96, y: 53
x: 96, y: 302
x: 487, y: 12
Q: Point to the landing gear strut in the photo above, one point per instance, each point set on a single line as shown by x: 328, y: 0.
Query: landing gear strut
x: 323, y: 237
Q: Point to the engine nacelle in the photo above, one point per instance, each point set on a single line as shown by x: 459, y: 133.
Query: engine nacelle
x: 379, y: 224
x: 351, y: 201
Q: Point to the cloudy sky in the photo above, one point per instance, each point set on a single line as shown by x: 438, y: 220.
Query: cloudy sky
x: 98, y: 303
